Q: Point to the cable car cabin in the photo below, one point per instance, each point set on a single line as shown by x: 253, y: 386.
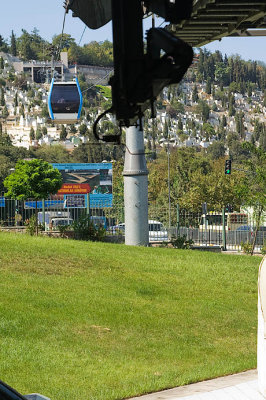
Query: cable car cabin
x: 65, y: 102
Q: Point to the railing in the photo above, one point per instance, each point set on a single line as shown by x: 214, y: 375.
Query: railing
x: 203, y: 232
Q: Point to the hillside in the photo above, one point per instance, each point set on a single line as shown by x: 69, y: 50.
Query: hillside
x: 216, y: 110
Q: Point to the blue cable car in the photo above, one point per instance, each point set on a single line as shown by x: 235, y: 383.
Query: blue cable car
x: 65, y: 102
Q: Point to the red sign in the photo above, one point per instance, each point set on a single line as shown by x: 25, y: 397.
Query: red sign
x: 74, y: 188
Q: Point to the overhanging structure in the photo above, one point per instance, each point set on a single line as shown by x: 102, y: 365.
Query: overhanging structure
x: 214, y: 19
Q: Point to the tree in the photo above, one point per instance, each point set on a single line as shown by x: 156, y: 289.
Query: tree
x: 5, y: 112
x: 51, y: 154
x: 208, y: 85
x: 180, y: 124
x: 16, y: 100
x: 44, y: 131
x: 239, y: 119
x: 38, y: 133
x: 63, y: 133
x: 195, y: 96
x: 64, y: 40
x: 80, y: 154
x: 72, y: 128
x: 3, y: 45
x: 204, y: 110
x: 32, y: 133
x: 253, y: 186
x: 216, y: 150
x: 13, y: 44
x: 208, y: 130
x: 34, y: 179
x: 83, y: 129
x: 2, y: 98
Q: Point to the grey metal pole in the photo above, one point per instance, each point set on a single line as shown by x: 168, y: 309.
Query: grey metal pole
x: 169, y: 188
x: 224, y: 231
x: 135, y: 189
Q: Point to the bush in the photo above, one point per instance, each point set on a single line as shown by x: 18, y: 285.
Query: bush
x: 246, y: 247
x: 31, y: 226
x: 84, y: 229
x: 62, y: 229
x: 263, y: 250
x: 181, y: 242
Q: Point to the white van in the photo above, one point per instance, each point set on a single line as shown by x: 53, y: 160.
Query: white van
x: 56, y: 222
x: 157, y: 232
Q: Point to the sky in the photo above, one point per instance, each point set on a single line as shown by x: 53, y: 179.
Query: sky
x: 47, y: 17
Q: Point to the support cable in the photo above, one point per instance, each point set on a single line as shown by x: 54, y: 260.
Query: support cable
x: 82, y: 35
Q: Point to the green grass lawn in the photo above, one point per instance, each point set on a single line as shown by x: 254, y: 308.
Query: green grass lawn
x: 97, y: 321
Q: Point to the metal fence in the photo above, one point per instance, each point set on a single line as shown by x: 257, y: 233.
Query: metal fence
x: 164, y: 224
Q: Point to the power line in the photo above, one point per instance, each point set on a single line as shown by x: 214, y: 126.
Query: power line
x: 82, y: 34
x: 96, y: 83
x: 62, y: 35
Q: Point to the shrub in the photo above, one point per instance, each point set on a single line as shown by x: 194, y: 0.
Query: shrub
x: 181, y: 242
x: 246, y: 247
x: 84, y: 229
x: 31, y: 225
x: 263, y: 250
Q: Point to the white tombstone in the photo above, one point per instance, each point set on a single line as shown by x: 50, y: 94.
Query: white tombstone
x: 261, y: 346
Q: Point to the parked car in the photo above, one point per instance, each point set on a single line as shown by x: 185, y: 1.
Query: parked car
x: 119, y: 228
x: 157, y: 232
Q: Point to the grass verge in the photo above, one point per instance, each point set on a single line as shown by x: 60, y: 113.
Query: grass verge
x: 96, y: 321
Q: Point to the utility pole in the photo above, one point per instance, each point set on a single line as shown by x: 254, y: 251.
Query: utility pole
x: 128, y: 64
x: 135, y: 189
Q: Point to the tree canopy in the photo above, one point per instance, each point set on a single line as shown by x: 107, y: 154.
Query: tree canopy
x: 34, y: 179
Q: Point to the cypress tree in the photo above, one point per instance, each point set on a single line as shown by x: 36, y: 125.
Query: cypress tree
x: 13, y: 46
x: 32, y: 133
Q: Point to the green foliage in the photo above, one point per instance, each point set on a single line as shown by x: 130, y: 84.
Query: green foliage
x: 246, y: 247
x: 13, y: 44
x: 181, y: 242
x: 31, y: 225
x: 34, y: 179
x: 32, y: 133
x: 84, y: 229
x: 63, y: 133
x: 1, y: 63
x: 83, y: 129
x: 204, y: 110
x: 63, y: 229
x: 105, y: 91
x: 51, y: 154
x: 30, y: 46
x: 64, y: 40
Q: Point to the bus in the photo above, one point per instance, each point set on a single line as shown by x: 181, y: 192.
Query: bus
x: 214, y: 221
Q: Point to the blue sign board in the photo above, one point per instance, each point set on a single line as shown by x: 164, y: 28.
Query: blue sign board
x: 2, y: 201
x: 97, y: 175
x: 75, y: 201
x: 47, y: 204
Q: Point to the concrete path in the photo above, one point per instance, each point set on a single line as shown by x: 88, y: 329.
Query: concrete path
x: 243, y: 386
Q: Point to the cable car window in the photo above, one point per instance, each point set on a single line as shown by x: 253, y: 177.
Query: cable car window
x: 65, y: 98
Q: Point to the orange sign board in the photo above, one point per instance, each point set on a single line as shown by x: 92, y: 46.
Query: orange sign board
x: 74, y: 188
